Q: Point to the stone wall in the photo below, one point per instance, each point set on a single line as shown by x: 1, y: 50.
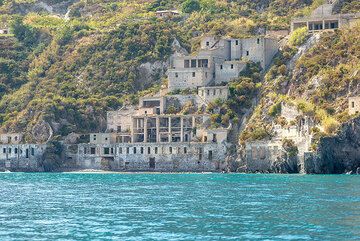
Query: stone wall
x: 161, y: 157
x: 21, y: 157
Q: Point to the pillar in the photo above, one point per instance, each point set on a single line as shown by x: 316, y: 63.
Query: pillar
x: 145, y: 130
x: 157, y: 129
x: 181, y: 129
x: 170, y: 131
x: 323, y: 24
x: 132, y: 131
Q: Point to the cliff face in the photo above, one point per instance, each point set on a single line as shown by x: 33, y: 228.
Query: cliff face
x: 338, y: 154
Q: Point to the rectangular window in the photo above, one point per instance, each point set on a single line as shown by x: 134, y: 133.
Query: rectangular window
x: 208, y: 44
x: 16, y: 150
x: 92, y: 150
x: 353, y: 104
x: 193, y: 63
x: 106, y: 151
x: 156, y: 150
x: 247, y: 53
x: 237, y: 42
x: 176, y: 75
x: 258, y: 41
x: 9, y: 150
x: 149, y: 150
x: 112, y: 150
x: 186, y: 63
x: 4, y: 150
x: 94, y: 137
x: 127, y: 150
x: 134, y: 150
x: 170, y: 150
x: 142, y: 150
x: 221, y: 67
x: 185, y: 150
x: 210, y: 155
x: 193, y: 74
x: 120, y: 150
x: 232, y: 66
x: 32, y: 151
x: 200, y: 153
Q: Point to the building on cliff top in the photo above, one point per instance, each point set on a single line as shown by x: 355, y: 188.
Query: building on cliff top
x: 323, y: 19
x: 219, y: 60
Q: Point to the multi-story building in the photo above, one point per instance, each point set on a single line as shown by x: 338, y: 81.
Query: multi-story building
x: 148, y: 138
x: 172, y: 132
x: 219, y: 60
x: 17, y: 155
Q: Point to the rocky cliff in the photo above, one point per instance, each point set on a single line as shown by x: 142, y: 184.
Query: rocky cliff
x: 338, y: 154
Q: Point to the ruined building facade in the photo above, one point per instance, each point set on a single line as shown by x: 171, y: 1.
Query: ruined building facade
x: 323, y: 18
x: 173, y: 132
x: 219, y: 61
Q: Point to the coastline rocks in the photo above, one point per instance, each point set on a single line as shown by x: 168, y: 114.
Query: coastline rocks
x: 338, y: 154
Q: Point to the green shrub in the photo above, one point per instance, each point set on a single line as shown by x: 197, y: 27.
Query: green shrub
x: 190, y: 6
x: 299, y: 36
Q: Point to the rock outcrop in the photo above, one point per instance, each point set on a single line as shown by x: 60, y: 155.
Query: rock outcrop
x: 338, y: 154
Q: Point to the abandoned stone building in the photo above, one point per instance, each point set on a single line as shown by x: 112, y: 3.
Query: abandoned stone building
x: 354, y: 105
x: 261, y: 154
x: 17, y: 155
x: 323, y: 19
x: 150, y: 138
x: 219, y: 60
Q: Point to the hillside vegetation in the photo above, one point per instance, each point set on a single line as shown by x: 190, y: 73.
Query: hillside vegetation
x: 68, y: 71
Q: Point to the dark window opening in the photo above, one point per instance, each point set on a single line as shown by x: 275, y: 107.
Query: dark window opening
x: 193, y: 74
x: 210, y: 155
x: 193, y: 63
x: 152, y: 163
x: 247, y: 53
x: 106, y: 151
x: 92, y: 150
x: 149, y: 150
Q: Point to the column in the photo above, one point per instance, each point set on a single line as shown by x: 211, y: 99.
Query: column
x: 170, y: 132
x: 181, y: 129
x: 323, y: 24
x: 157, y: 129
x: 145, y: 130
x: 132, y: 131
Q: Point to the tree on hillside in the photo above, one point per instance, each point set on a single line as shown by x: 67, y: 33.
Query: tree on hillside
x: 24, y: 33
x: 190, y: 6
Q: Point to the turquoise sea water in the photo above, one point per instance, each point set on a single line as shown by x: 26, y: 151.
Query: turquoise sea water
x: 178, y: 207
